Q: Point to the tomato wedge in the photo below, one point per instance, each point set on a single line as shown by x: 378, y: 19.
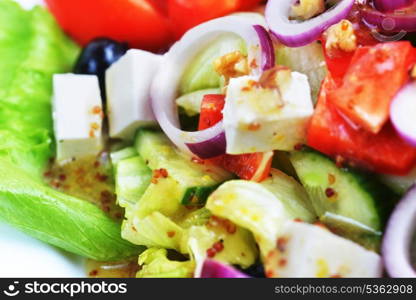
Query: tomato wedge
x: 331, y: 134
x: 141, y: 23
x: 374, y: 77
x: 253, y: 166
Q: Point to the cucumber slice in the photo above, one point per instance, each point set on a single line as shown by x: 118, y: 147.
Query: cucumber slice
x: 187, y: 182
x: 308, y: 60
x: 343, y: 192
x: 132, y: 179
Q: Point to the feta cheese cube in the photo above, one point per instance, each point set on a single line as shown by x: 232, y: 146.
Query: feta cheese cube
x: 263, y: 119
x: 128, y: 84
x: 77, y: 115
x: 305, y: 250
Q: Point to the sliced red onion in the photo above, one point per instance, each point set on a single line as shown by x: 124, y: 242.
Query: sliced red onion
x: 398, y: 237
x: 210, y: 142
x: 391, y: 5
x: 214, y: 269
x: 297, y: 34
x: 390, y: 22
x: 403, y: 112
x: 268, y: 55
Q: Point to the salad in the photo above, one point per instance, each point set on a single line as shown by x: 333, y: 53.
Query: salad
x: 260, y: 139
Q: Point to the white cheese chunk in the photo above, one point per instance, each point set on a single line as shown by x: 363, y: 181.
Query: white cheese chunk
x: 260, y: 120
x: 128, y: 84
x: 305, y: 250
x: 77, y: 114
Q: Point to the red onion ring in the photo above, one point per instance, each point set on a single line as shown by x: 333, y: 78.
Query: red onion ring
x: 297, y: 34
x: 210, y: 142
x: 402, y: 111
x: 391, y: 5
x: 398, y: 237
x: 389, y: 22
x: 214, y: 269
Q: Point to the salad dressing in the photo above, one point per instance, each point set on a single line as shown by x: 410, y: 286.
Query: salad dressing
x: 90, y: 179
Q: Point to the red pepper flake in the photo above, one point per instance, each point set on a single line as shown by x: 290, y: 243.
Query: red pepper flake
x: 106, y: 196
x: 154, y: 180
x: 106, y: 208
x: 160, y: 173
x: 299, y: 147
x: 340, y: 161
x: 230, y: 227
x: 62, y: 177
x: 101, y: 177
x: 330, y: 192
x: 254, y: 126
x: 211, y: 252
x: 297, y: 220
x: 335, y: 276
x: 253, y: 64
x: 93, y: 273
x: 319, y: 224
x: 48, y: 174
x: 171, y: 234
x: 96, y: 164
x: 118, y: 215
x: 269, y: 273
x: 218, y: 246
x: 282, y: 244
x: 96, y: 110
x: 282, y: 262
x: 92, y: 133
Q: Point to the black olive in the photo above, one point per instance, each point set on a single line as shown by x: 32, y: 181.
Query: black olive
x: 256, y: 270
x: 97, y: 56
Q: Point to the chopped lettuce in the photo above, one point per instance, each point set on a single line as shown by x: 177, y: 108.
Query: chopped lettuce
x: 239, y: 247
x: 200, y: 73
x: 251, y: 206
x: 308, y: 60
x: 292, y: 195
x: 155, y: 264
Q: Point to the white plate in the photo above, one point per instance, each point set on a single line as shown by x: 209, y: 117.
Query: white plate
x: 23, y: 256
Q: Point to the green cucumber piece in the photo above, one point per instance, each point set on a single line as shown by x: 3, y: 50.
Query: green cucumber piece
x: 124, y: 153
x: 343, y: 192
x: 132, y: 179
x: 188, y: 182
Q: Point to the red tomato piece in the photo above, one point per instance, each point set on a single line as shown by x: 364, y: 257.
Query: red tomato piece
x: 141, y: 23
x: 374, y: 77
x: 331, y: 134
x: 253, y: 166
